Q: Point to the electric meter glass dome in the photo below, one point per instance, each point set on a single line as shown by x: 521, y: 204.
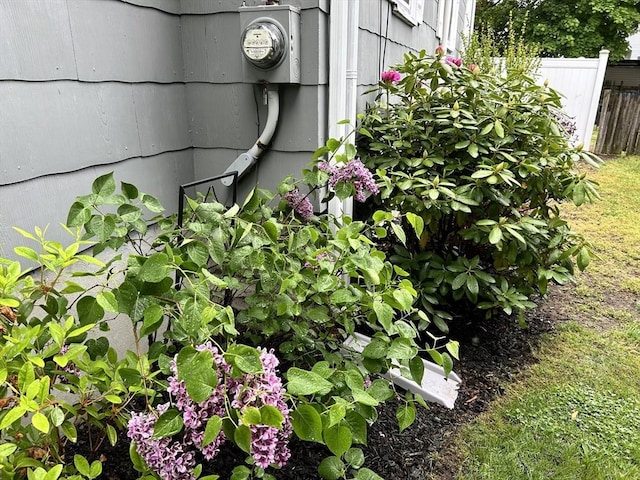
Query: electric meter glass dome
x: 263, y: 44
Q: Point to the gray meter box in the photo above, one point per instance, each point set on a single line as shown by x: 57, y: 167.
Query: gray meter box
x: 270, y: 43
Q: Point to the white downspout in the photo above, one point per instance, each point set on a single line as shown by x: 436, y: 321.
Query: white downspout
x: 343, y: 77
x: 247, y: 159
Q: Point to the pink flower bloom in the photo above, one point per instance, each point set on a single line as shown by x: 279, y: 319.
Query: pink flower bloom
x: 390, y: 76
x: 300, y: 204
x: 354, y: 172
x: 439, y: 50
x: 474, y: 68
x: 454, y: 61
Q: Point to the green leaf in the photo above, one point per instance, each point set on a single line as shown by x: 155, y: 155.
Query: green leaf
x: 473, y: 150
x: 251, y: 416
x: 244, y: 358
x: 399, y: 232
x: 495, y: 236
x: 338, y: 439
x: 101, y: 227
x: 112, y: 435
x: 41, y: 422
x: 212, y: 430
x: 584, y: 258
x: 401, y: 349
x: 104, y: 185
x: 89, y: 310
x: 416, y: 367
x: 377, y: 348
x: 129, y: 213
x: 153, y: 317
x: 155, y: 268
x: 96, y: 469
x: 416, y: 222
x: 107, y: 300
x: 82, y: 465
x: 354, y: 457
x: 384, y: 313
x: 198, y: 373
x: 242, y: 437
x: 406, y: 415
x: 168, y: 424
x: 28, y: 253
x: 69, y: 431
x: 404, y: 298
x: 367, y: 474
x: 364, y: 398
x: 307, y: 423
x: 497, y: 126
x: 130, y: 191
x: 152, y: 203
x: 271, y: 416
x: 331, y: 468
x: 240, y: 473
x: 303, y: 382
x: 7, y: 449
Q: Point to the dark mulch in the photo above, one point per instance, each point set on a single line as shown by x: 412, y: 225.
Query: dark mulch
x: 492, y: 352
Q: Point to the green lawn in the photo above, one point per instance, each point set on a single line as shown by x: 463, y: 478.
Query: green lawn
x: 576, y: 413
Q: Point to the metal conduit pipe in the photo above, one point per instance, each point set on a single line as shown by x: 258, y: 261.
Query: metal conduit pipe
x: 247, y: 159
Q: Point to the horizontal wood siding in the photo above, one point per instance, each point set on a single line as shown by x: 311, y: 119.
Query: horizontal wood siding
x: 88, y: 86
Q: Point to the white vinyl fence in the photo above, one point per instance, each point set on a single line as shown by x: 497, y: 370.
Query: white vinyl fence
x: 579, y: 80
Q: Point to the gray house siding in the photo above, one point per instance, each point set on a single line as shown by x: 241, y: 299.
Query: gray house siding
x: 154, y: 90
x: 87, y: 87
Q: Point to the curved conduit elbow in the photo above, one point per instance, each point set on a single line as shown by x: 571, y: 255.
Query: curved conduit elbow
x: 247, y: 159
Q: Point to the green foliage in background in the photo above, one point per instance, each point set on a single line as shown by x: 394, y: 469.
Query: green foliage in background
x: 566, y: 28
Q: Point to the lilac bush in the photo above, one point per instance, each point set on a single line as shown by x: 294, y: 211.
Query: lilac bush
x: 174, y: 457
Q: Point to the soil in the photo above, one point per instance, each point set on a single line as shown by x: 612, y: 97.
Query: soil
x: 491, y: 355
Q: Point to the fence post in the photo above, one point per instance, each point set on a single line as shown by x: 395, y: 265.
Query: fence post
x: 595, y: 97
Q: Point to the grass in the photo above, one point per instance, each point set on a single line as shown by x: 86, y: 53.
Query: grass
x: 575, y: 415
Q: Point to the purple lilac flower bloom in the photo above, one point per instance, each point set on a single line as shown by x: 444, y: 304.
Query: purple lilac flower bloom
x: 300, y: 204
x: 454, y: 61
x: 168, y: 458
x: 175, y: 460
x: 390, y: 76
x: 353, y: 172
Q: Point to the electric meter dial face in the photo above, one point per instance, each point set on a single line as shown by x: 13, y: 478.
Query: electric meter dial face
x: 263, y: 44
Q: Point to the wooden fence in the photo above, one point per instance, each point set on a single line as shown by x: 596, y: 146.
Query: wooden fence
x: 619, y: 126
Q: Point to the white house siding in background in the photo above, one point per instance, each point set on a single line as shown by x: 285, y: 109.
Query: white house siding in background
x: 634, y: 45
x: 153, y: 90
x: 579, y: 80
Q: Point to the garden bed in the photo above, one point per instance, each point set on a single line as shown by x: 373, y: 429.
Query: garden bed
x: 491, y: 354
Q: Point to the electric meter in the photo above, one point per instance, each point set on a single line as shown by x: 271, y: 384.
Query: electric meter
x: 270, y: 43
x: 263, y: 44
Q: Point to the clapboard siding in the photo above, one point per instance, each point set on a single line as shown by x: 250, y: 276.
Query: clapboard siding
x: 211, y: 46
x: 205, y: 7
x: 36, y: 40
x: 117, y: 41
x: 46, y: 200
x: 226, y: 116
x: 57, y: 127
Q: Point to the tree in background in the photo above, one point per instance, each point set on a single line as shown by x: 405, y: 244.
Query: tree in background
x: 565, y: 28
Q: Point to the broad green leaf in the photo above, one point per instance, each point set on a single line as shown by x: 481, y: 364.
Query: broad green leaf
x: 130, y: 191
x: 303, y: 382
x: 271, y: 416
x: 416, y: 367
x: 406, y: 415
x: 331, y: 468
x: 495, y: 236
x: 307, y: 423
x: 377, y: 348
x: 367, y: 474
x: 363, y: 397
x: 212, y: 430
x: 129, y: 213
x: 168, y: 424
x: 244, y: 358
x: 402, y: 348
x: 354, y: 457
x: 152, y: 203
x: 7, y: 449
x: 338, y: 439
x: 153, y: 317
x: 41, y: 422
x: 198, y: 373
x: 155, y: 268
x: 242, y: 437
x: 104, y: 185
x: 384, y: 313
x: 497, y: 126
x: 416, y: 222
x: 82, y: 465
x: 397, y: 229
x: 89, y: 310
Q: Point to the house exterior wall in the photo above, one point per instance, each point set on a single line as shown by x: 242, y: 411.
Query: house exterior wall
x: 87, y: 87
x: 154, y: 90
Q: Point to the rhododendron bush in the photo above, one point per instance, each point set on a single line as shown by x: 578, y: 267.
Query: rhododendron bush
x: 480, y: 162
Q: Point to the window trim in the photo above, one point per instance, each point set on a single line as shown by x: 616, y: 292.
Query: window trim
x: 410, y: 11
